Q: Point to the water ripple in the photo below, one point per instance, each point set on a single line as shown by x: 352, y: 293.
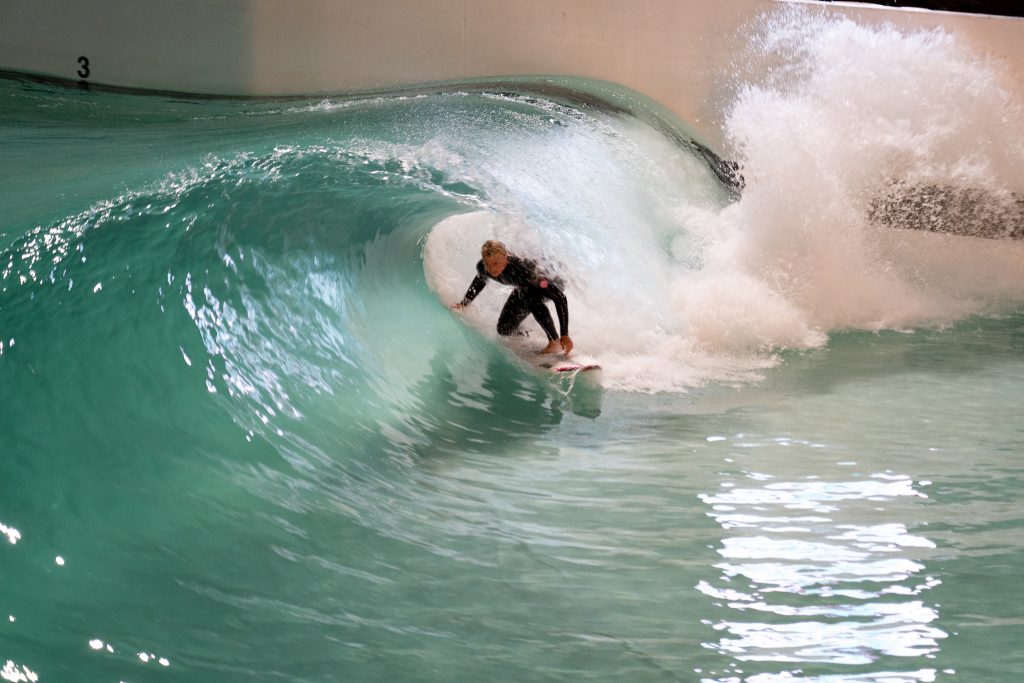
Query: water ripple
x: 812, y: 575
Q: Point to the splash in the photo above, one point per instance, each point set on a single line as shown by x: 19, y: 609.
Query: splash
x: 673, y: 288
x: 848, y: 115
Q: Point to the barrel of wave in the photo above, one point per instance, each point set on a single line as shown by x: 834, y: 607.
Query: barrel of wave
x: 641, y: 335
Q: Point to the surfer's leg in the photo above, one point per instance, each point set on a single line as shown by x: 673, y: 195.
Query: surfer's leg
x: 513, y: 313
x: 543, y: 316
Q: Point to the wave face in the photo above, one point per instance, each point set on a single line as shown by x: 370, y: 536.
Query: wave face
x: 244, y: 438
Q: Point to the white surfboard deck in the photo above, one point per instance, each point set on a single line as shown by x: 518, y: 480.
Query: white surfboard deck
x: 528, y: 350
x: 556, y: 364
x: 551, y: 362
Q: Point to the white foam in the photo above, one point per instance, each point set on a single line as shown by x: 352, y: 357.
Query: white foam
x: 858, y: 109
x: 672, y: 289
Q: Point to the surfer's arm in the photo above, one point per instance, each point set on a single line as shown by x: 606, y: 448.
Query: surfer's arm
x: 475, y: 287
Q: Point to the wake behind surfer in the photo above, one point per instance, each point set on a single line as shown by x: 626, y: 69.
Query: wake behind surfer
x: 531, y: 289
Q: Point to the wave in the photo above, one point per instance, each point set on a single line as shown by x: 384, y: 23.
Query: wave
x: 232, y: 361
x: 674, y: 287
x: 306, y: 267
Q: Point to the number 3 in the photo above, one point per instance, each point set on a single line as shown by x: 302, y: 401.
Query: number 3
x: 84, y: 71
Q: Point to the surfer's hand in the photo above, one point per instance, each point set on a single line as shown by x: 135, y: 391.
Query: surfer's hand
x: 457, y: 306
x: 566, y: 343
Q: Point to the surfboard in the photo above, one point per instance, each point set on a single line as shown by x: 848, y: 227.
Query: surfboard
x: 568, y: 366
x: 557, y: 363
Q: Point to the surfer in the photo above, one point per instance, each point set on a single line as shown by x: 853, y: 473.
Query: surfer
x: 531, y: 288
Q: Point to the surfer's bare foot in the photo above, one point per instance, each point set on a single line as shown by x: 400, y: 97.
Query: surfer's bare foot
x: 552, y: 347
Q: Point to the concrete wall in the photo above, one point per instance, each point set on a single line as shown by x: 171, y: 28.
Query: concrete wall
x: 674, y: 51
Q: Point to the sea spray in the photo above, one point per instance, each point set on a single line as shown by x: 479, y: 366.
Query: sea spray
x: 847, y: 112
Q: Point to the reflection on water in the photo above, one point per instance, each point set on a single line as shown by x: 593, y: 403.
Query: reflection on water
x: 815, y: 572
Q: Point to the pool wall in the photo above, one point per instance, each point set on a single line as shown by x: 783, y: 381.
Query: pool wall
x: 677, y: 52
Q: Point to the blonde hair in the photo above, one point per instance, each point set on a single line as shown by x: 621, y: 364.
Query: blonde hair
x: 493, y: 248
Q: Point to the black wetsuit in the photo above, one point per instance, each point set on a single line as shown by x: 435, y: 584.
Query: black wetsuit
x: 531, y: 288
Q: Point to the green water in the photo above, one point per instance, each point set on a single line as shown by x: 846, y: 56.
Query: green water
x: 243, y: 439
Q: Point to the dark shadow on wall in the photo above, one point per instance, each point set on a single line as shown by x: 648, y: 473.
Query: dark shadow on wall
x: 1007, y: 8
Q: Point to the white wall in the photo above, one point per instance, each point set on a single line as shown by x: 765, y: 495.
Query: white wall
x: 674, y: 51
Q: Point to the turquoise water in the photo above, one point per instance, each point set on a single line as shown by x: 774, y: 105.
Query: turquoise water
x: 244, y: 439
